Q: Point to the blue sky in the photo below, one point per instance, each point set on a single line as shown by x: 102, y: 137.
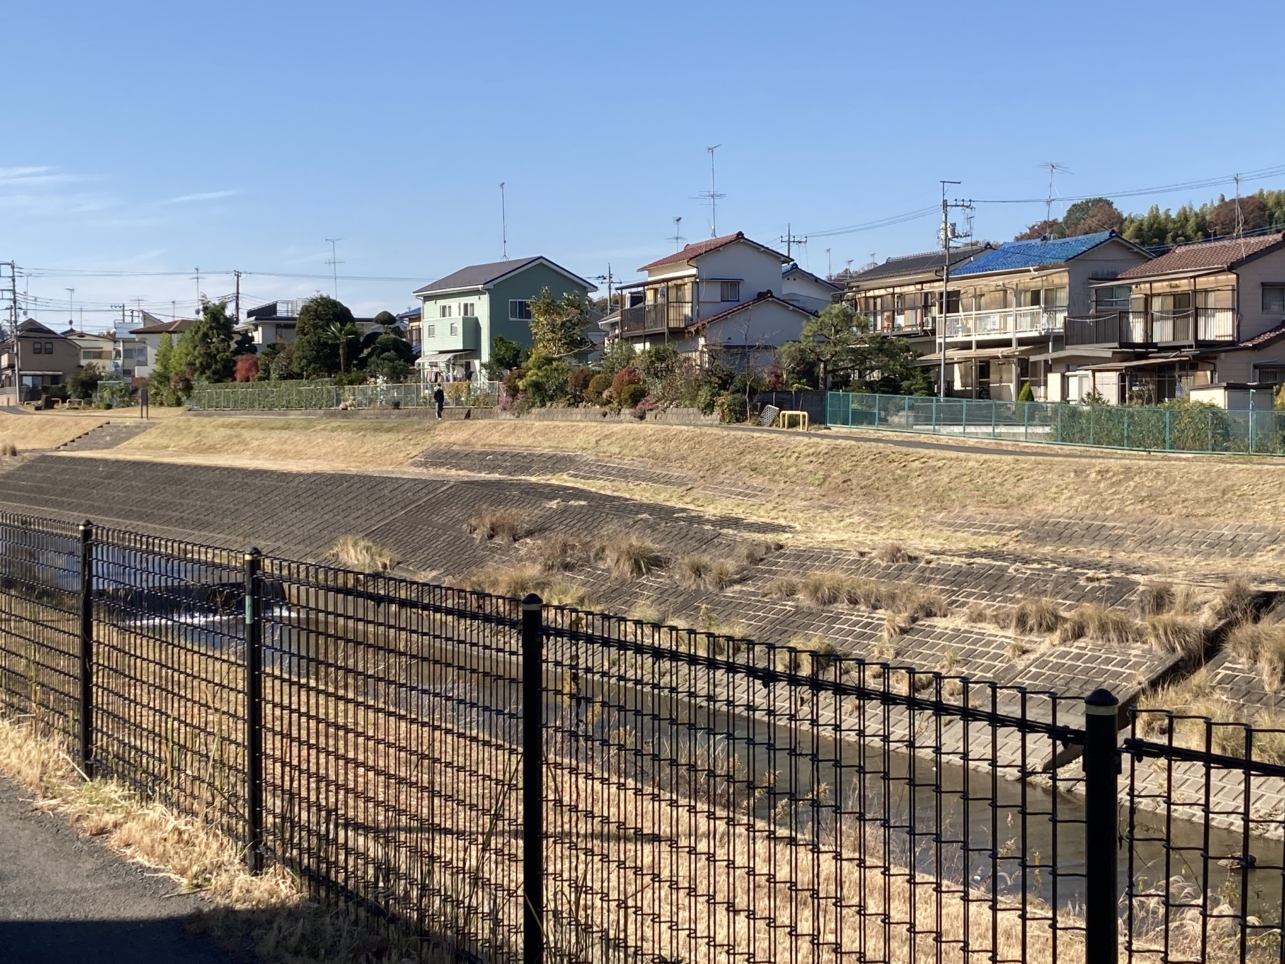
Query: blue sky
x: 153, y: 138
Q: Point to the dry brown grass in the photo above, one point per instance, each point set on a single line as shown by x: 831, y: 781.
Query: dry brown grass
x: 1155, y: 598
x: 812, y: 655
x: 1099, y: 624
x: 893, y: 552
x: 701, y: 572
x: 271, y: 912
x: 782, y: 587
x: 9, y: 450
x: 359, y: 553
x: 1171, y: 633
x: 502, y: 524
x: 913, y: 602
x: 559, y: 553
x: 45, y: 430
x: 518, y: 580
x: 1235, y: 602
x: 825, y: 588
x: 1261, y: 646
x: 629, y: 557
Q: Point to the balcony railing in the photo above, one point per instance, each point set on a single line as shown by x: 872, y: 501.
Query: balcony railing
x: 1004, y: 321
x: 1138, y: 328
x: 648, y: 319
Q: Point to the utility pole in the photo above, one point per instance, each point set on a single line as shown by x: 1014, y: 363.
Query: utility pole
x: 790, y: 240
x: 504, y: 227
x: 334, y: 263
x: 945, y: 289
x: 829, y: 265
x: 198, y: 291
x: 237, y: 309
x: 71, y: 311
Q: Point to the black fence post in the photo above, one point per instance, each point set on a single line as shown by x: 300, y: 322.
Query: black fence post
x: 253, y: 713
x: 532, y: 781
x: 1101, y: 828
x: 87, y: 649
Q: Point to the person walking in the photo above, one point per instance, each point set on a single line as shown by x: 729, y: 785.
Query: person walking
x: 439, y: 399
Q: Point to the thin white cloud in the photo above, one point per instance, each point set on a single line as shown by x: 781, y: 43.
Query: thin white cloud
x: 204, y: 196
x: 26, y: 176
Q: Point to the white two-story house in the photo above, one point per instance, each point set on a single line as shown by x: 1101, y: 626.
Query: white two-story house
x: 728, y: 299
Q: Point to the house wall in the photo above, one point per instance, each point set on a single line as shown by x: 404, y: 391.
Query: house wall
x: 768, y: 325
x: 524, y: 285
x: 755, y: 269
x: 1105, y: 261
x: 801, y: 290
x: 469, y: 329
x: 1269, y: 269
x: 1245, y: 365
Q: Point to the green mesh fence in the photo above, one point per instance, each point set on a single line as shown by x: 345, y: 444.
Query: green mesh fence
x: 1174, y: 427
x: 316, y: 395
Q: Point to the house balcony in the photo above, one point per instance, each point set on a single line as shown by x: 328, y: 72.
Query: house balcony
x: 1140, y: 329
x: 904, y: 321
x: 655, y: 319
x: 1004, y: 322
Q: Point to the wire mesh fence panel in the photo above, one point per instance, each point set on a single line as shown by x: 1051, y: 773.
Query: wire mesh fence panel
x: 718, y: 800
x: 392, y: 745
x: 1205, y: 875
x: 301, y: 395
x: 169, y: 676
x: 1178, y: 426
x: 40, y: 623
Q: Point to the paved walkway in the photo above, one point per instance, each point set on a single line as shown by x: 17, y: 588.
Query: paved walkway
x: 64, y: 898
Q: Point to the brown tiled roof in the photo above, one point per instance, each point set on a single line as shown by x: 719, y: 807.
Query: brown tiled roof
x: 704, y: 247
x: 1265, y: 338
x: 1205, y: 256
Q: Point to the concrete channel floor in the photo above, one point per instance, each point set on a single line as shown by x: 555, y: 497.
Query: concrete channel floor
x: 64, y: 897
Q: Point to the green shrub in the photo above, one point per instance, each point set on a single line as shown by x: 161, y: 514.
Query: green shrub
x: 597, y: 387
x: 631, y: 395
x: 1026, y: 395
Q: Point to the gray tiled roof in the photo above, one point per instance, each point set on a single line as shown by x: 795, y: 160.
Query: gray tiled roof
x: 911, y: 264
x: 476, y: 275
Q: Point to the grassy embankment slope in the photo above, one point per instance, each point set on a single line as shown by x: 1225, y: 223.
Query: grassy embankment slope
x: 831, y: 488
x: 45, y: 430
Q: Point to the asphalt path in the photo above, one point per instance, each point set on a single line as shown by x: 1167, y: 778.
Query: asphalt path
x: 67, y: 898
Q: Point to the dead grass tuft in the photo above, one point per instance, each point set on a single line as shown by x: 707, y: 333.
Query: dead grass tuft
x: 526, y: 577
x: 753, y: 553
x: 559, y: 553
x: 629, y: 557
x: 1100, y: 624
x: 1155, y: 598
x: 1235, y: 602
x: 1262, y: 647
x: 1181, y: 635
x: 505, y: 525
x: 893, y: 552
x: 9, y: 449
x: 1032, y: 617
x: 812, y: 655
x: 701, y: 572
x: 359, y: 553
x: 825, y: 588
x: 782, y: 587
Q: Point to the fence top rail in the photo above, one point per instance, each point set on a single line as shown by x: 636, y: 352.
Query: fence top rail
x: 1120, y: 410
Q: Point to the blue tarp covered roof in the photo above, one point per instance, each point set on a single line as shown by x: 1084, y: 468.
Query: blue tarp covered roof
x: 1016, y: 255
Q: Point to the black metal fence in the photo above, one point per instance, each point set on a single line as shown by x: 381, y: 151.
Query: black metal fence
x: 515, y: 781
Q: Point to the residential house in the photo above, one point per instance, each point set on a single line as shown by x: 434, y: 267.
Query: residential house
x: 1203, y: 320
x: 721, y: 299
x: 37, y: 356
x: 136, y: 356
x: 96, y: 348
x: 274, y: 323
x: 902, y: 294
x: 806, y: 290
x: 409, y: 322
x: 462, y: 313
x: 1005, y: 308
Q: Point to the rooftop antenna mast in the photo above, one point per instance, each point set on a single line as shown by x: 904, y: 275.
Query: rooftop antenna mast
x: 1053, y: 167
x: 678, y: 238
x: 334, y: 263
x: 504, y: 227
x: 197, y: 279
x: 712, y: 194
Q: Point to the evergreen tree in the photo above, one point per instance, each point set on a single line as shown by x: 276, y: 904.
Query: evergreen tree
x: 210, y: 358
x: 317, y: 336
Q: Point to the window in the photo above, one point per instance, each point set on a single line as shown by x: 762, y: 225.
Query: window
x: 49, y: 348
x: 444, y: 311
x: 729, y: 291
x: 1274, y: 299
x: 467, y: 310
x: 430, y: 331
x: 519, y: 310
x: 1113, y: 298
x: 35, y: 346
x: 455, y: 329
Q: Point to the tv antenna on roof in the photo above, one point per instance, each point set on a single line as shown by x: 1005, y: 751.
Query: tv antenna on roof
x: 711, y: 196
x: 678, y: 238
x: 1053, y: 168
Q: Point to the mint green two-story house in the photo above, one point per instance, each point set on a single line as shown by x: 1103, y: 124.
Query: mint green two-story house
x: 462, y: 313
